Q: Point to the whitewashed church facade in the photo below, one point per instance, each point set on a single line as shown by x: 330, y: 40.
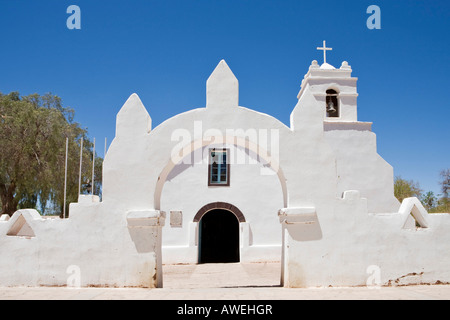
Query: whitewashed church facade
x: 224, y: 183
x: 255, y: 189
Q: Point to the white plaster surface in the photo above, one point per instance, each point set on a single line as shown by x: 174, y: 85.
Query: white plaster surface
x: 322, y: 178
x: 258, y: 196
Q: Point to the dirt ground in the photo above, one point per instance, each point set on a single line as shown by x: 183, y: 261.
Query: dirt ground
x: 236, y: 281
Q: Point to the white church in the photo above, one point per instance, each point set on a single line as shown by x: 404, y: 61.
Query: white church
x: 224, y: 183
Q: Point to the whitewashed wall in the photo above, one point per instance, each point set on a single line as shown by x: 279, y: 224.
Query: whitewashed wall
x: 96, y: 246
x: 258, y: 196
x: 329, y: 235
x: 348, y: 246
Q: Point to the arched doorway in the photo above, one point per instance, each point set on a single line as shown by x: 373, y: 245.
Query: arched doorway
x: 218, y: 237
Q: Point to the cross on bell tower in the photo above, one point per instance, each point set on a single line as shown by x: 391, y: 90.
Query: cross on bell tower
x: 324, y: 49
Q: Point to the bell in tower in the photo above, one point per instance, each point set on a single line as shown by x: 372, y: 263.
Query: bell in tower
x: 332, y: 104
x: 334, y: 88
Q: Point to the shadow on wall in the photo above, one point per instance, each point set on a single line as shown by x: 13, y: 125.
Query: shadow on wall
x: 302, y: 226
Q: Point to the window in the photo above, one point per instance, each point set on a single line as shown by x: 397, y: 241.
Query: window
x: 332, y: 104
x: 218, y: 168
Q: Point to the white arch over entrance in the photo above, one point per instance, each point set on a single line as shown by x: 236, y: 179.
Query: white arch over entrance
x: 237, y: 141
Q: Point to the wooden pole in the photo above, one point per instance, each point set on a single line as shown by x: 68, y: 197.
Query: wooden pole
x: 93, y: 167
x: 65, y: 179
x: 81, y: 163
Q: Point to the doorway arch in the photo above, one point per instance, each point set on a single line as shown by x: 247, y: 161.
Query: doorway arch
x: 219, y: 205
x: 218, y: 233
x: 218, y: 237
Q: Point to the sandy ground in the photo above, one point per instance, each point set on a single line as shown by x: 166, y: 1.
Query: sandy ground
x: 236, y: 281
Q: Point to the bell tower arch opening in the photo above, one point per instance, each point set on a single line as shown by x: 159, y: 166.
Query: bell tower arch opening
x: 332, y: 104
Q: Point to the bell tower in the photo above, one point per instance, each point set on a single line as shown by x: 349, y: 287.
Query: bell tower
x: 334, y: 89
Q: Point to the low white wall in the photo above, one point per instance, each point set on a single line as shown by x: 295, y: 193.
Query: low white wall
x: 96, y: 246
x: 347, y: 246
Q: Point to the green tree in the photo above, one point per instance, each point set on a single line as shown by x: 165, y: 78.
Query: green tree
x: 33, y: 132
x: 406, y: 189
x: 429, y: 200
x: 443, y: 203
x: 445, y: 183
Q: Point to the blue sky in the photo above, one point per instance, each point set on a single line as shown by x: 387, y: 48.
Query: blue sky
x: 165, y: 50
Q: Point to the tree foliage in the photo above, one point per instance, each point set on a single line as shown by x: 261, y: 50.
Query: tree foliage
x: 445, y: 183
x: 443, y: 203
x: 33, y: 132
x: 406, y: 188
x: 428, y: 200
x: 433, y: 203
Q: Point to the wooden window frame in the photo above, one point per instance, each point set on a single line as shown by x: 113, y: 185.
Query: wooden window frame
x: 212, y: 184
